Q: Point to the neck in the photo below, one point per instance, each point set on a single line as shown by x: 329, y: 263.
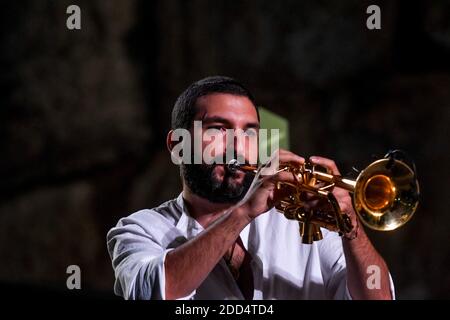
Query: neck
x: 201, y: 209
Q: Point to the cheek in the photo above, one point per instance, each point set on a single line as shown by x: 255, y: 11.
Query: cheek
x: 214, y: 146
x: 254, y: 147
x: 252, y: 150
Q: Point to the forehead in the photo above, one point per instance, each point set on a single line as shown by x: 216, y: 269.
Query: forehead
x: 232, y: 107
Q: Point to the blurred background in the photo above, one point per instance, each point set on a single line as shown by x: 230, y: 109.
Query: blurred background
x: 84, y: 115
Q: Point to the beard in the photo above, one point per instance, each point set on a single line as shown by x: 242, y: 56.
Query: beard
x: 204, y: 182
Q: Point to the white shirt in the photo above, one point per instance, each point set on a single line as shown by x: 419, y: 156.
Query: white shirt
x: 283, y: 267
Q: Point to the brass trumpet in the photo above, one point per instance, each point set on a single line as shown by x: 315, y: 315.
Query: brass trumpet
x: 385, y: 195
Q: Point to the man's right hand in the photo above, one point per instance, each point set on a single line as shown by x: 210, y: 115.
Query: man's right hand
x: 202, y: 253
x: 263, y: 198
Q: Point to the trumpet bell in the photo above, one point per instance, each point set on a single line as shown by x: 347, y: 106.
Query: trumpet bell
x: 386, y: 194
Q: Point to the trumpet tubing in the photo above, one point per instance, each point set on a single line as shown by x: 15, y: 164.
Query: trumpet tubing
x: 385, y: 196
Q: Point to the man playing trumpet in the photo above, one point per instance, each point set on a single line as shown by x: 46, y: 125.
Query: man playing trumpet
x: 203, y: 245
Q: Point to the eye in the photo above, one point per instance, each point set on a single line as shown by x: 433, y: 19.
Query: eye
x: 250, y: 132
x: 217, y: 127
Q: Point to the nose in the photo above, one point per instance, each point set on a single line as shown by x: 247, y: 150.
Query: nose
x: 241, y: 146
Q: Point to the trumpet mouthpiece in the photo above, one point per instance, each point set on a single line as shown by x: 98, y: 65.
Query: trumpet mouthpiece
x: 233, y: 165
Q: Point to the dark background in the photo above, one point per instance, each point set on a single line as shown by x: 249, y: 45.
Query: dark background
x: 84, y: 114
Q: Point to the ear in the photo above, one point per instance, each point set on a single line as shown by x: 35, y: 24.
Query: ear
x: 169, y: 141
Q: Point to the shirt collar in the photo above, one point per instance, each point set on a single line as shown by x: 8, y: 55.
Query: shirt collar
x: 190, y: 227
x: 186, y: 224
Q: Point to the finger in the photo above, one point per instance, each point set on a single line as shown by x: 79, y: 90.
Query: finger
x: 345, y: 208
x: 287, y: 181
x: 290, y: 157
x: 341, y: 193
x: 285, y: 177
x: 327, y: 163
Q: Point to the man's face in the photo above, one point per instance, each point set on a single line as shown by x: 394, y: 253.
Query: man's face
x: 221, y: 112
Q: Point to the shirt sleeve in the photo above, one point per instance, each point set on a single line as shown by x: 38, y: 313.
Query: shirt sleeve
x: 138, y: 262
x: 334, y: 270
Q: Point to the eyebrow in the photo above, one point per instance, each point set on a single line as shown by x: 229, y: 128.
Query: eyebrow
x: 227, y: 122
